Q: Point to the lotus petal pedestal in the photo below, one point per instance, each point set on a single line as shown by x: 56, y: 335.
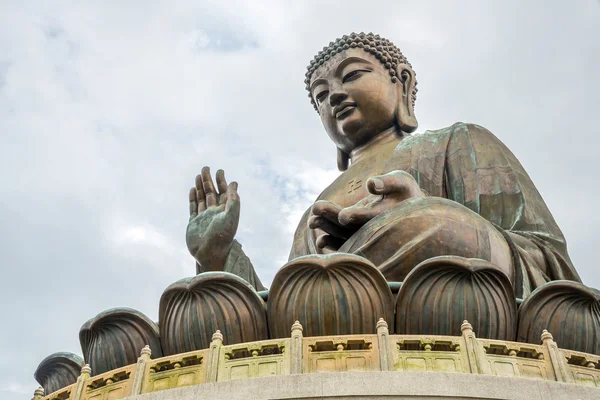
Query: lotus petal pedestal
x: 570, y: 310
x: 192, y: 309
x: 335, y: 294
x: 58, y: 370
x: 443, y: 291
x: 115, y: 337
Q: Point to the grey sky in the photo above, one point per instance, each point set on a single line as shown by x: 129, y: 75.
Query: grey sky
x: 109, y: 110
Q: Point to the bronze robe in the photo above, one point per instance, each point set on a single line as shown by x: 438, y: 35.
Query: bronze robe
x: 467, y: 164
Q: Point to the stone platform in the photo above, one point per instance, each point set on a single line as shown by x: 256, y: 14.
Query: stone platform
x: 377, y: 366
x: 380, y: 386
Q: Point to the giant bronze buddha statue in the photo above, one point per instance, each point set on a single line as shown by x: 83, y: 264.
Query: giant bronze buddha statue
x: 423, y: 230
x: 451, y: 214
x: 455, y: 201
x: 400, y: 199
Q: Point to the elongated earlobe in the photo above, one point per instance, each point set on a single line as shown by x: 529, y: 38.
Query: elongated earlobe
x: 405, y: 116
x: 343, y: 159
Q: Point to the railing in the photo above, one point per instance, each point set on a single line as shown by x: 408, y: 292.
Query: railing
x: 114, y: 384
x: 298, y: 354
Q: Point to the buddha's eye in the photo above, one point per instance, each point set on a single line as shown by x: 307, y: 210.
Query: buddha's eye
x: 321, y: 96
x: 353, y: 75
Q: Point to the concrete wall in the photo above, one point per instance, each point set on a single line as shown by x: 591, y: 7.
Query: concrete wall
x: 380, y: 386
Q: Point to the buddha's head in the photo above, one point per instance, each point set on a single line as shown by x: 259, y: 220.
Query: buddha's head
x: 361, y: 85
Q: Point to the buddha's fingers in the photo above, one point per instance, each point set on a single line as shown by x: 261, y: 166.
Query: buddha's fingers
x: 232, y: 207
x: 318, y: 222
x: 222, y: 186
x: 393, y: 182
x: 357, y: 215
x: 326, y: 209
x: 200, y: 198
x: 209, y: 188
x: 329, y: 243
x: 193, y: 203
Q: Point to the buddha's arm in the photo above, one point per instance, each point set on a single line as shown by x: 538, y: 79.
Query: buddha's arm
x: 239, y: 264
x: 484, y: 175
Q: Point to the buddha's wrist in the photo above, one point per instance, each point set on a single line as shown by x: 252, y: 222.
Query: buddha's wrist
x: 215, y: 260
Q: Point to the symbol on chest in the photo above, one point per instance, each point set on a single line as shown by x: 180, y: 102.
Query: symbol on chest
x: 354, y: 185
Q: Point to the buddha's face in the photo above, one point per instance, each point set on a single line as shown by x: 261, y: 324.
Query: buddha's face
x: 355, y: 96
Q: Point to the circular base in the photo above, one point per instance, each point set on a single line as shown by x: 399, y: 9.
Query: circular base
x: 380, y: 385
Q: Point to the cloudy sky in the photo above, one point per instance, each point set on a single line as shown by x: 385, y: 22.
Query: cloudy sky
x: 109, y: 109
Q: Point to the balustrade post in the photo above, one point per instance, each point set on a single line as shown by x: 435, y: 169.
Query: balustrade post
x: 557, y: 359
x: 476, y: 356
x: 296, y: 349
x: 38, y: 394
x: 212, y: 366
x: 80, y: 385
x: 141, y: 369
x: 383, y: 342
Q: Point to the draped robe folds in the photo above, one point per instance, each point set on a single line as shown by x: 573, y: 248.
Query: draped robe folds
x: 467, y: 164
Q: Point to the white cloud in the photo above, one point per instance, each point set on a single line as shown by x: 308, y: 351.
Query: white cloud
x: 16, y: 389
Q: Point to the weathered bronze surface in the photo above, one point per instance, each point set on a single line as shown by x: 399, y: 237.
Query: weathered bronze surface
x: 115, y: 337
x: 568, y: 309
x: 335, y: 294
x: 58, y: 370
x: 192, y: 309
x: 443, y: 291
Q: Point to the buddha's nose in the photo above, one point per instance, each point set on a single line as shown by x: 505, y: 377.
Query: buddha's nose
x: 336, y: 96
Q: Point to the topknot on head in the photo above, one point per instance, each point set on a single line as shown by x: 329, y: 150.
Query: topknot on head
x: 385, y: 51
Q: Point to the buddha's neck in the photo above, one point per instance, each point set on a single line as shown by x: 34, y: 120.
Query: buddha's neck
x: 373, y: 146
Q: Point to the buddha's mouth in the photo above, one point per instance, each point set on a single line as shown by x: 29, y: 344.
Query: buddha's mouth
x: 344, y: 110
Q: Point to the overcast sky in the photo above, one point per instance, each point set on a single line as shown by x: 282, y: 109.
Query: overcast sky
x: 109, y: 110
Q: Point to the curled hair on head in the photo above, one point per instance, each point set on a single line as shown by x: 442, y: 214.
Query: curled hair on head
x: 385, y: 51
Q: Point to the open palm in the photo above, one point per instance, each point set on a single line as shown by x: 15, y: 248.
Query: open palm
x: 214, y: 218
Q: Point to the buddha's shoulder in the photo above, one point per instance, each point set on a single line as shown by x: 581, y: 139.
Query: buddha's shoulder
x: 459, y: 130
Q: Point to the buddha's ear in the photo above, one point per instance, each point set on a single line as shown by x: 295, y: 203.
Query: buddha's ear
x: 406, y: 119
x: 343, y: 160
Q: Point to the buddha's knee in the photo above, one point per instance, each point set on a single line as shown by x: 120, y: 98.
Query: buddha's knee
x: 440, y: 293
x: 421, y: 228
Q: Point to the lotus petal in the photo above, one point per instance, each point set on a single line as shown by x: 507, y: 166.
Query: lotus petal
x: 442, y: 292
x: 192, y: 309
x: 568, y: 310
x: 115, y: 337
x: 58, y: 370
x: 334, y: 294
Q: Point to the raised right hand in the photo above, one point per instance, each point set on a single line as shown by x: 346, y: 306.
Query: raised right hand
x: 214, y: 218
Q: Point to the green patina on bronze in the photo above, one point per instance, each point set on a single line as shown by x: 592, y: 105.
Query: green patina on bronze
x: 192, y: 309
x: 114, y: 338
x: 58, y: 370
